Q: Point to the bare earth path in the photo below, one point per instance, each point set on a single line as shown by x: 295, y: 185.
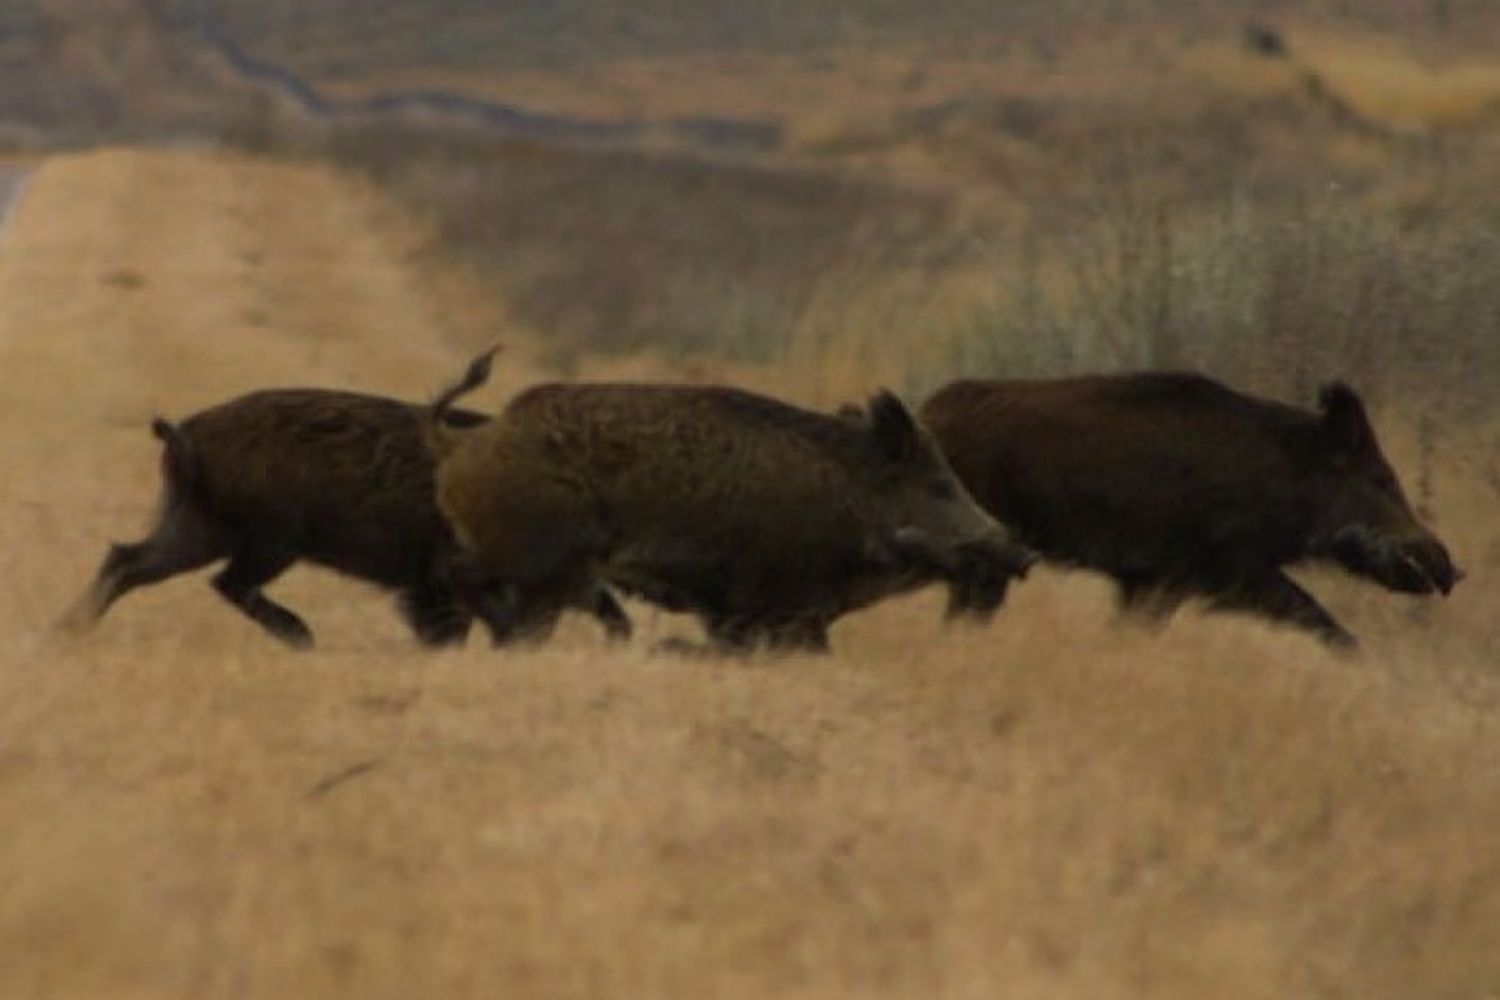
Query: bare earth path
x: 1053, y: 807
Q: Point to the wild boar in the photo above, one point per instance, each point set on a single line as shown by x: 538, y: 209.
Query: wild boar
x: 765, y: 520
x: 340, y: 479
x: 1176, y: 486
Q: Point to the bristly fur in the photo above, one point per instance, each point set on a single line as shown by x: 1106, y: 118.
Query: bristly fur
x: 1176, y: 485
x: 765, y: 519
x: 337, y: 478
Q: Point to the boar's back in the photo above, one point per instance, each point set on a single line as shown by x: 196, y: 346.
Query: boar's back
x: 1134, y: 473
x: 346, y: 478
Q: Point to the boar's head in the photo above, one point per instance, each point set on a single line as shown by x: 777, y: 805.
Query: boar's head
x: 1365, y: 523
x: 925, y: 518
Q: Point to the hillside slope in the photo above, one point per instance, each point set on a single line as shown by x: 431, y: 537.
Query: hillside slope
x: 352, y: 38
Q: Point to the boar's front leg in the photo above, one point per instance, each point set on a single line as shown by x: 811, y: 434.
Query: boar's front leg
x: 976, y: 601
x: 240, y: 584
x: 538, y: 606
x: 1276, y: 596
x: 980, y: 578
x: 973, y: 602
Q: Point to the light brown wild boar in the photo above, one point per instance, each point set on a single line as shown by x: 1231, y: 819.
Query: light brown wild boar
x: 765, y: 520
x: 340, y: 479
x: 1177, y: 486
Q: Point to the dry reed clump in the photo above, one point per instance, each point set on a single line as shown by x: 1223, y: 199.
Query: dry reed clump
x: 1275, y: 298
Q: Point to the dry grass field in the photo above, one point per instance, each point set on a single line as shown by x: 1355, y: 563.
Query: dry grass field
x: 1056, y: 806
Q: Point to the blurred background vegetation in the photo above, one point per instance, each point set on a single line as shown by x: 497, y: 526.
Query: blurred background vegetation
x: 1275, y: 192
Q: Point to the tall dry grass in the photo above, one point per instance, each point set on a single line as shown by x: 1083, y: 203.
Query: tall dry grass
x: 1275, y: 296
x: 1050, y: 808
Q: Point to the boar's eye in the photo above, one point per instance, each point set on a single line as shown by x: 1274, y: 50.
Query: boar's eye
x: 942, y: 489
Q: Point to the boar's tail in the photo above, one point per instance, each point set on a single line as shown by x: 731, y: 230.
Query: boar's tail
x: 179, y: 472
x: 441, y: 437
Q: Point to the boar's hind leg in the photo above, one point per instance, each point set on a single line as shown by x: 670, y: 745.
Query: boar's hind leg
x: 1277, y: 596
x: 240, y: 584
x: 491, y: 600
x: 538, y: 605
x: 528, y: 613
x: 435, y: 614
x: 514, y: 614
x: 176, y: 546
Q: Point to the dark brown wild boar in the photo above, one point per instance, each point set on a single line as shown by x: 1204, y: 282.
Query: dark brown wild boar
x: 341, y: 479
x: 1176, y: 486
x: 766, y: 521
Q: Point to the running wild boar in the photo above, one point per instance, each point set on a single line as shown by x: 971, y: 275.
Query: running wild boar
x: 340, y: 479
x: 766, y: 521
x: 1177, y: 486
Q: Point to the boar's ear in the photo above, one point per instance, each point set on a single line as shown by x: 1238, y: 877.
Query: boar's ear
x: 1344, y: 418
x: 892, y: 426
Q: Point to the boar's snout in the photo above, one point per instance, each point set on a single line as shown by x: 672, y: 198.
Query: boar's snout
x: 991, y: 558
x: 989, y: 565
x: 996, y: 556
x: 1409, y: 566
x: 1430, y: 560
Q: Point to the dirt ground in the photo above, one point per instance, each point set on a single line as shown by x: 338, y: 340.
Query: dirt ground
x: 1055, y: 806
